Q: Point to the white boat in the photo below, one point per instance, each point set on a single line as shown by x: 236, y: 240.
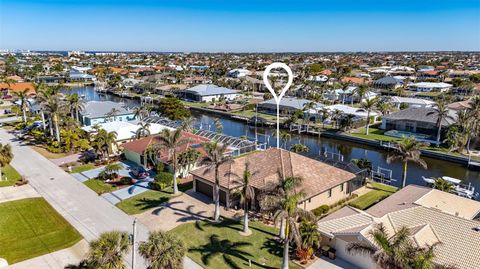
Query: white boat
x: 467, y: 191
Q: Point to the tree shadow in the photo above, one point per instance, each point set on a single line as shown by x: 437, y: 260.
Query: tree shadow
x: 146, y: 203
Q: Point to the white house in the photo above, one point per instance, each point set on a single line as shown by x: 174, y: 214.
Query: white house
x: 430, y: 86
x: 397, y: 101
x: 238, y: 73
x: 208, y: 93
x: 348, y: 110
x: 126, y: 130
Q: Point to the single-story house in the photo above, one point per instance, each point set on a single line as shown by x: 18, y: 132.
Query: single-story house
x: 416, y: 120
x: 397, y: 101
x: 388, y: 83
x: 430, y: 86
x: 79, y: 76
x: 208, y: 93
x: 288, y: 105
x: 126, y: 130
x: 7, y: 91
x: 348, y: 110
x: 136, y: 150
x: 348, y: 95
x: 322, y: 183
x: 96, y: 112
x: 432, y: 216
x: 238, y: 73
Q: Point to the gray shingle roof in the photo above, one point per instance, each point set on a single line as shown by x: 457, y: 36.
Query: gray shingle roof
x: 98, y: 109
x: 210, y: 89
x: 292, y: 102
x: 387, y: 81
x: 421, y: 115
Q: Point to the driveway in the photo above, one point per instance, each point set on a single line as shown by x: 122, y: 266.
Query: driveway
x: 326, y: 263
x: 89, y: 213
x: 188, y: 207
x: 16, y: 193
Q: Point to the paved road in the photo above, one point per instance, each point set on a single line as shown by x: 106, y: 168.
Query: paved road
x: 89, y: 213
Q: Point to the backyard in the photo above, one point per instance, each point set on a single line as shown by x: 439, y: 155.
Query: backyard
x: 149, y: 199
x: 377, y: 193
x: 10, y: 176
x: 219, y: 245
x: 30, y: 228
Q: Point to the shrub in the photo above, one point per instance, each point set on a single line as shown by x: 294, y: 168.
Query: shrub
x: 126, y: 180
x: 160, y: 167
x: 161, y: 181
x: 323, y: 209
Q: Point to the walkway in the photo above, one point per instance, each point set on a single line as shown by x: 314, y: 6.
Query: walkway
x: 89, y: 213
x: 16, y: 193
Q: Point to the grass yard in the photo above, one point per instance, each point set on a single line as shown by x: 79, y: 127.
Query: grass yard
x: 31, y: 228
x: 99, y: 186
x: 373, y: 134
x: 149, y: 199
x: 11, y: 175
x: 47, y: 154
x: 83, y: 168
x: 377, y: 193
x: 214, y: 245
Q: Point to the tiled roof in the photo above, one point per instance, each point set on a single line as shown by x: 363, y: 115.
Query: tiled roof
x: 317, y: 176
x: 98, y: 109
x: 350, y: 223
x: 403, y: 199
x: 19, y: 86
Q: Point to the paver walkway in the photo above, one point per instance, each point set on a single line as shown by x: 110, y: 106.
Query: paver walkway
x: 57, y: 259
x: 89, y: 213
x: 325, y: 263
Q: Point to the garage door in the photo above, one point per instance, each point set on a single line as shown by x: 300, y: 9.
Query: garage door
x: 206, y: 189
x: 361, y: 261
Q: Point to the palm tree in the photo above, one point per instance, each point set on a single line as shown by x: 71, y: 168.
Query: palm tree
x: 443, y: 185
x: 284, y: 136
x: 104, y: 141
x: 163, y: 251
x: 307, y: 107
x: 285, y: 205
x: 52, y: 103
x: 299, y: 148
x: 112, y: 114
x: 6, y: 157
x: 108, y: 250
x: 140, y: 112
x: 172, y: 140
x: 336, y: 116
x: 188, y: 158
x: 369, y: 105
x: 144, y: 130
x: 310, y: 235
x: 408, y: 150
x: 75, y: 104
x: 325, y: 114
x: 216, y: 156
x: 441, y: 111
x: 22, y: 97
x: 361, y: 91
x: 39, y: 92
x: 247, y: 192
x: 384, y: 107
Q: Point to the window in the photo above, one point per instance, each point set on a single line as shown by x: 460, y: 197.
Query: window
x: 341, y: 187
x: 329, y: 193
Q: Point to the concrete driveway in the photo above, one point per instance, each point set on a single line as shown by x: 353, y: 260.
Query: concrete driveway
x: 188, y: 207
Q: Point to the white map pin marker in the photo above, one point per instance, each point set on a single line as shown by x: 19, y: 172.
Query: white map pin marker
x: 274, y: 94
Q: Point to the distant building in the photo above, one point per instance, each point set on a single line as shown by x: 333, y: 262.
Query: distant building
x: 430, y: 87
x: 410, y: 102
x: 97, y: 112
x: 208, y: 93
x: 238, y: 73
x: 288, y: 105
x: 8, y: 90
x: 387, y: 83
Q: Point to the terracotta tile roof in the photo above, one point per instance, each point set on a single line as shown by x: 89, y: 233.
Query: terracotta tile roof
x: 19, y: 86
x: 317, y: 176
x: 140, y: 145
x: 353, y: 80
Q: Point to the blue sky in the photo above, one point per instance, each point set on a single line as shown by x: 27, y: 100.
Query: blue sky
x: 240, y: 26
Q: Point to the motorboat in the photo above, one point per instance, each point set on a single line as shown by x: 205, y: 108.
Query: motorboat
x: 460, y: 189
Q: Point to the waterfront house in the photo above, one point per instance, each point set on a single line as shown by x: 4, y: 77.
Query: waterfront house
x: 238, y: 73
x: 429, y: 87
x: 432, y: 216
x: 288, y: 105
x: 416, y: 120
x: 322, y: 183
x: 359, y: 113
x: 125, y: 130
x: 387, y: 83
x: 397, y: 101
x: 137, y: 150
x: 208, y: 93
x: 96, y: 112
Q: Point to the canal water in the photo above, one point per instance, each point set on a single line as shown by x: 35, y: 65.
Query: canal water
x: 349, y: 150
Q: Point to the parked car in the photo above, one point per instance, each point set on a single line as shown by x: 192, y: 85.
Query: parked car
x: 139, y: 172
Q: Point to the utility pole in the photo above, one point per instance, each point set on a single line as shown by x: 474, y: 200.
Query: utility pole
x: 133, y: 242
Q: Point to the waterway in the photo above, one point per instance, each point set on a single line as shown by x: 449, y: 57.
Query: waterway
x: 349, y: 150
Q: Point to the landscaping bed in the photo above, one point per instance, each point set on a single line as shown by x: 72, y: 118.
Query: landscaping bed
x: 213, y: 245
x: 31, y: 228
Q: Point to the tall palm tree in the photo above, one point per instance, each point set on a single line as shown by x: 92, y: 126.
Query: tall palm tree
x: 172, y: 140
x: 361, y: 91
x: 384, y: 107
x: 216, y: 156
x: 75, y: 104
x: 443, y: 185
x: 39, y: 92
x: 140, y: 112
x: 54, y: 106
x: 285, y: 205
x: 408, y: 150
x: 284, y: 137
x: 247, y: 192
x: 325, y: 114
x: 104, y: 141
x: 6, y: 156
x: 108, y: 250
x: 144, y: 130
x: 336, y: 116
x: 306, y: 108
x: 369, y: 105
x: 22, y: 97
x: 163, y: 251
x: 441, y: 111
x: 188, y: 158
x: 112, y: 114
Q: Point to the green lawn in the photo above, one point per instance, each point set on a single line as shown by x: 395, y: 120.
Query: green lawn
x: 205, y: 239
x: 149, y: 199
x: 83, y: 168
x: 99, y: 186
x: 11, y: 175
x: 373, y: 134
x: 377, y: 193
x: 31, y: 228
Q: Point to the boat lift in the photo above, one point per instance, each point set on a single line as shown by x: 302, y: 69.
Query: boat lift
x: 382, y: 175
x: 460, y: 189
